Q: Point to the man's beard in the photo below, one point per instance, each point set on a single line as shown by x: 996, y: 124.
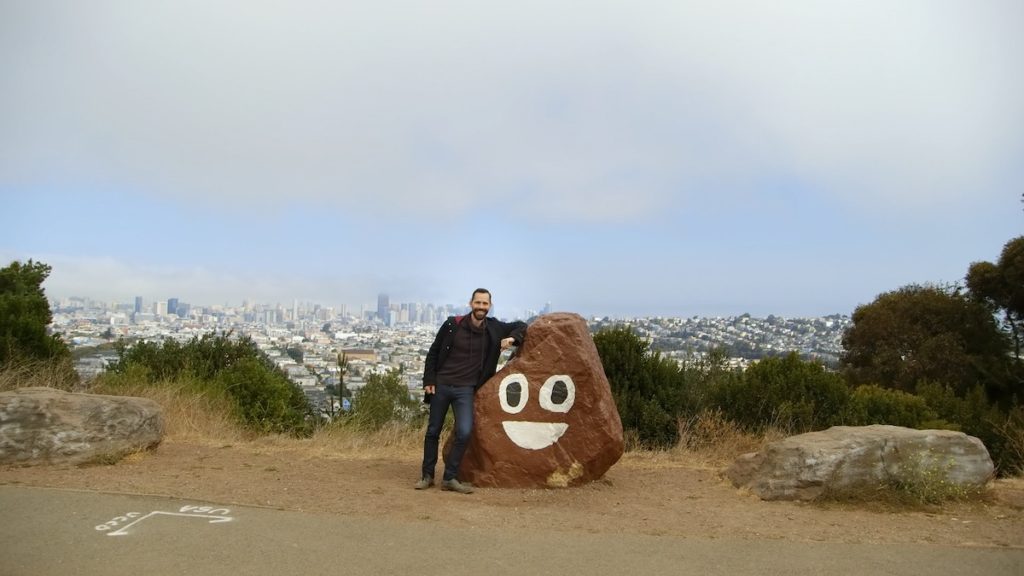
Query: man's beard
x: 479, y: 313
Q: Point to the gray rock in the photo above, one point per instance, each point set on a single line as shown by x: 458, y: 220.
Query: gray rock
x: 48, y: 426
x: 847, y: 458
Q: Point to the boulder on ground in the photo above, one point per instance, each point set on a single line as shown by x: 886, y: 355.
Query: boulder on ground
x: 548, y: 418
x: 852, y: 458
x: 48, y: 426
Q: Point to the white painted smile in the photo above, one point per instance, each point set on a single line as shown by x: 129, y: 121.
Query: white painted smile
x: 534, y: 435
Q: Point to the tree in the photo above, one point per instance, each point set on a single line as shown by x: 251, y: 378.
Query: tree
x: 931, y: 333
x: 343, y: 391
x: 296, y: 353
x: 383, y: 399
x: 25, y: 315
x: 1001, y: 287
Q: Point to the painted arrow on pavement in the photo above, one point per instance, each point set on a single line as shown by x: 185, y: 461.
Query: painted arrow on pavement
x: 123, y: 531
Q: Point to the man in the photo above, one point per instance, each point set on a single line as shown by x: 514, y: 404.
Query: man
x: 463, y: 356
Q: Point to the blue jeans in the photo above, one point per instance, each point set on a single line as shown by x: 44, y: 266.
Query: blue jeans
x: 460, y: 398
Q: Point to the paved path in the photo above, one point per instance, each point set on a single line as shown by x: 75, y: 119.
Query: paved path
x: 54, y: 532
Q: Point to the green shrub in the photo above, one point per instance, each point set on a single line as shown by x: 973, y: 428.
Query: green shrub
x: 648, y: 389
x: 205, y: 357
x: 924, y: 480
x: 871, y: 404
x: 383, y: 399
x: 786, y: 392
x: 267, y: 401
x: 977, y: 416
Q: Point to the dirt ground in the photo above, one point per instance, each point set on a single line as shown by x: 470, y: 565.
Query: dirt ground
x: 642, y: 494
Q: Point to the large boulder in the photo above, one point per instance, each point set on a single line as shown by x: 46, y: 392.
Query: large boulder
x: 548, y: 418
x: 48, y: 426
x: 845, y: 459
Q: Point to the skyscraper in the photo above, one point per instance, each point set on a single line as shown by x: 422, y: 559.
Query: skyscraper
x: 172, y: 306
x: 138, y: 304
x: 383, y: 308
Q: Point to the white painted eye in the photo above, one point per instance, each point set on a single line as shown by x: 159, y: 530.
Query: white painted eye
x: 513, y: 392
x: 558, y: 393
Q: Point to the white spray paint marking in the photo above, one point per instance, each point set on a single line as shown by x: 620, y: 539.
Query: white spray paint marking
x: 215, y: 516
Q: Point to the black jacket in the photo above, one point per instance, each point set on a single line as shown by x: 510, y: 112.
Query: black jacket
x: 442, y: 346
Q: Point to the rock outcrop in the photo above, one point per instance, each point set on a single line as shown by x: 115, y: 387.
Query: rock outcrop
x: 844, y: 458
x: 48, y: 426
x: 548, y: 418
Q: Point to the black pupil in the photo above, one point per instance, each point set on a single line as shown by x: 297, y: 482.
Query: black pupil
x: 514, y: 393
x: 559, y: 392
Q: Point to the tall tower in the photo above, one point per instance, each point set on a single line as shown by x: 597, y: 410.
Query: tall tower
x: 172, y: 306
x: 138, y: 304
x: 384, y: 308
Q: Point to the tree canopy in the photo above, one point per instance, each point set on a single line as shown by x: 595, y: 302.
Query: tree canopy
x: 1000, y: 285
x: 927, y: 333
x: 25, y: 315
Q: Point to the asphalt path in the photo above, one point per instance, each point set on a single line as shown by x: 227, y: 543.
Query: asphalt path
x: 63, y: 532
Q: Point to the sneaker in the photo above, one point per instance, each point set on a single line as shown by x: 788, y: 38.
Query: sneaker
x: 424, y: 483
x: 456, y: 486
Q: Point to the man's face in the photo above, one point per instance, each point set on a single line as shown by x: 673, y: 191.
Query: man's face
x: 480, y: 305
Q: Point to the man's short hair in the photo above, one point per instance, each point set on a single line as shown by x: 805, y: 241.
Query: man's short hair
x: 480, y: 291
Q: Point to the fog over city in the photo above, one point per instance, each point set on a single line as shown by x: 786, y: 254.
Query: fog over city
x: 671, y: 158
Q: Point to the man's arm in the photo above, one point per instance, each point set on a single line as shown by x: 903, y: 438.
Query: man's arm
x: 513, y: 334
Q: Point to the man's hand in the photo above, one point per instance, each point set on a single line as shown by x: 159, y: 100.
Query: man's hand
x: 428, y: 389
x: 507, y: 343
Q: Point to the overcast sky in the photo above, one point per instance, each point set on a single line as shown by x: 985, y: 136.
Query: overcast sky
x: 614, y: 158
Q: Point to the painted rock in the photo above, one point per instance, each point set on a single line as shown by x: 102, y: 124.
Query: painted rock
x: 548, y: 418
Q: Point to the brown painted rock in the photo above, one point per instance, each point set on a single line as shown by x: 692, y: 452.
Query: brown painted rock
x: 547, y: 419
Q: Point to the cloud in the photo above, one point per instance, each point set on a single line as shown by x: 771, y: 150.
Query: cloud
x: 595, y: 112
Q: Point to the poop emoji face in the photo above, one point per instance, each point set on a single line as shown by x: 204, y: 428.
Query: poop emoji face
x: 556, y: 396
x: 548, y: 418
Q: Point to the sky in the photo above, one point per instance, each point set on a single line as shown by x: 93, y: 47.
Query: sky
x: 642, y: 158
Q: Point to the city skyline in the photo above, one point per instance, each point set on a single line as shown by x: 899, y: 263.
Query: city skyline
x: 659, y: 158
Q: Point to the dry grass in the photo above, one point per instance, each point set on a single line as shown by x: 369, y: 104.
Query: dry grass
x: 706, y: 441
x: 42, y: 374
x: 709, y: 440
x: 189, y: 415
x: 337, y: 440
x: 1012, y: 431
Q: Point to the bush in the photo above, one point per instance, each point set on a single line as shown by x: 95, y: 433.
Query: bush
x: 265, y: 400
x: 871, y: 404
x: 383, y: 399
x: 784, y: 392
x: 1012, y: 432
x: 204, y: 357
x: 976, y: 416
x: 924, y: 480
x: 647, y: 388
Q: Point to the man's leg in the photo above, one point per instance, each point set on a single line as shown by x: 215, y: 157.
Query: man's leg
x: 438, y: 409
x: 462, y: 403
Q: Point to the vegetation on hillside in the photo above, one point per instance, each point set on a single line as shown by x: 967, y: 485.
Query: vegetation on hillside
x: 25, y: 317
x: 262, y: 397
